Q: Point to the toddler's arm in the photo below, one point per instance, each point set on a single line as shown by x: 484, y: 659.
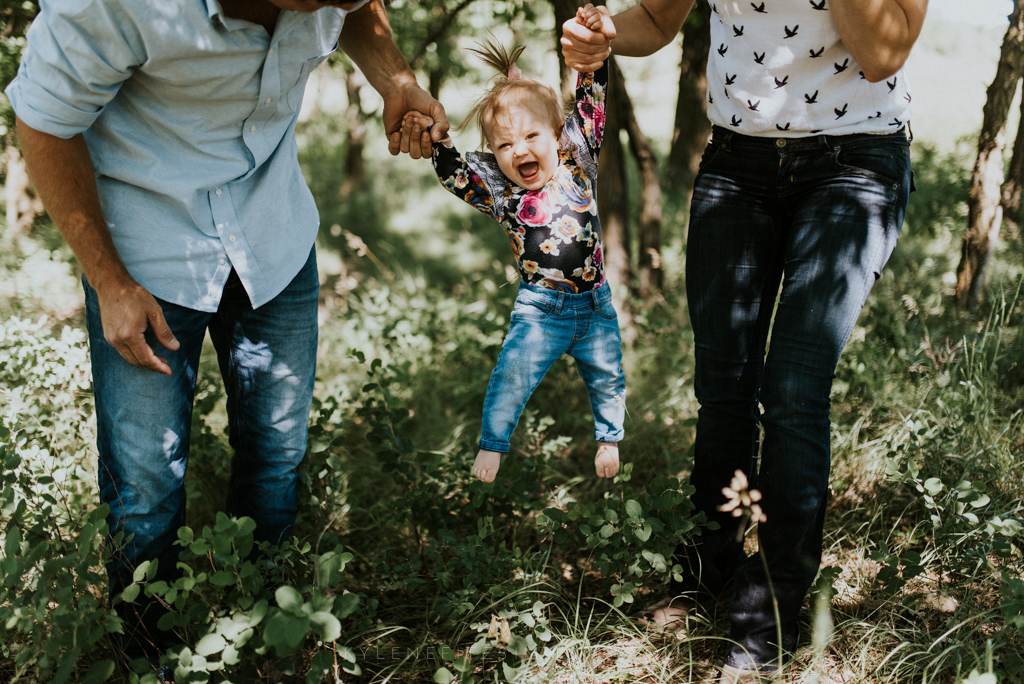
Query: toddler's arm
x: 452, y: 170
x: 592, y: 86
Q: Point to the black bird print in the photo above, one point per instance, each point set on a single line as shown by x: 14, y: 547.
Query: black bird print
x: 878, y: 115
x: 781, y: 128
x: 727, y: 95
x: 907, y: 97
x: 892, y: 86
x: 896, y: 122
x: 792, y: 32
x: 840, y: 113
x: 753, y: 106
x: 722, y: 49
x: 818, y: 5
x: 815, y: 55
x: 816, y: 132
x: 811, y: 99
x: 840, y: 68
x: 714, y: 9
x: 729, y: 80
x: 784, y: 81
x: 760, y: 9
x: 737, y: 31
x: 711, y: 100
x: 759, y: 58
x: 862, y: 76
x: 735, y: 121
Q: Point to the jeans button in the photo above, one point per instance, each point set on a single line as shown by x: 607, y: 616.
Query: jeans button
x: 780, y: 143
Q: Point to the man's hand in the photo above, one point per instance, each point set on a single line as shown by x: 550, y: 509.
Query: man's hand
x: 411, y: 99
x: 127, y: 309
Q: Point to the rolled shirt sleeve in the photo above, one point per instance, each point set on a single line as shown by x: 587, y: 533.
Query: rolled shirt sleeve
x: 78, y: 56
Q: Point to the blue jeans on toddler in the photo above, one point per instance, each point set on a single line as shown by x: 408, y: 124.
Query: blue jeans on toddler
x: 820, y: 217
x: 546, y: 324
x: 267, y: 358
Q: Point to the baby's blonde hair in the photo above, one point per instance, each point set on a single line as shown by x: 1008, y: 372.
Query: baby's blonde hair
x: 509, y: 92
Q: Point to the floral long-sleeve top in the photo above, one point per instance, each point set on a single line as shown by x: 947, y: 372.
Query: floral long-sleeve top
x: 554, y: 230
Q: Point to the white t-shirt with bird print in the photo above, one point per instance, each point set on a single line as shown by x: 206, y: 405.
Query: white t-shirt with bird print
x: 778, y: 68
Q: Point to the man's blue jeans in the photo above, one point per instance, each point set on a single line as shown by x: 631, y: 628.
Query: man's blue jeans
x: 546, y: 324
x: 820, y: 216
x: 267, y: 358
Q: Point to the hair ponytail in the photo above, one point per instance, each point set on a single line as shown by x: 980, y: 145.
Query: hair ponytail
x: 497, y: 57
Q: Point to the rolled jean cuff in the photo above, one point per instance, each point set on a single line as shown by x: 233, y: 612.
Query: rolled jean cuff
x: 616, y: 436
x: 500, y: 447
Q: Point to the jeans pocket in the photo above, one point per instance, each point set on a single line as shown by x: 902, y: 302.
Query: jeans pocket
x: 885, y: 162
x: 607, y: 309
x: 711, y: 153
x: 530, y: 310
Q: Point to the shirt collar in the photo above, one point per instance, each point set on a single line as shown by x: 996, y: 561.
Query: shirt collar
x: 287, y: 19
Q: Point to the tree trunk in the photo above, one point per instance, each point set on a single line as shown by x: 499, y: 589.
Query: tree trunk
x: 984, y: 210
x: 564, y: 11
x: 613, y: 199
x: 1014, y: 183
x: 23, y: 205
x: 692, y: 128
x: 649, y: 231
x: 355, y: 165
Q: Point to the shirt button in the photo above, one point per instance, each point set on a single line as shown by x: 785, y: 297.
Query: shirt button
x: 780, y: 143
x: 252, y: 129
x: 218, y: 192
x: 268, y: 100
x: 221, y: 262
x: 270, y: 52
x: 232, y: 238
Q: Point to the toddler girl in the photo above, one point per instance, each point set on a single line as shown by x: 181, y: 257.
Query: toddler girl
x: 538, y: 184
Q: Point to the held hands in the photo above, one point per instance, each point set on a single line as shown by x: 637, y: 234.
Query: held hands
x: 414, y: 134
x: 127, y: 309
x: 586, y: 38
x: 408, y: 100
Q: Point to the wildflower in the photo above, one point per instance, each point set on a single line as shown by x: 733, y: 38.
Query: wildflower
x: 742, y: 501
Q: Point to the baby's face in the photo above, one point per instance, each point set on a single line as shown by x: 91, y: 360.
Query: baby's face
x: 525, y: 146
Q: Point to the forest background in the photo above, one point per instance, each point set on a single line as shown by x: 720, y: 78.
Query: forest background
x: 404, y: 568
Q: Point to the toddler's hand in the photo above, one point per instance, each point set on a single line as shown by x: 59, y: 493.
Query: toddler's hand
x: 485, y: 468
x: 607, y: 460
x: 414, y: 127
x: 597, y: 19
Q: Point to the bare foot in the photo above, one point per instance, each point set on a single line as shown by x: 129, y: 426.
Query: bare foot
x: 669, y: 614
x: 607, y: 460
x: 485, y: 468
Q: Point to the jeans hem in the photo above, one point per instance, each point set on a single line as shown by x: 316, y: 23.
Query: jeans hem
x: 500, y: 447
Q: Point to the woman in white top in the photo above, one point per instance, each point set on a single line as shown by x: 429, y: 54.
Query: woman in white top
x: 803, y: 185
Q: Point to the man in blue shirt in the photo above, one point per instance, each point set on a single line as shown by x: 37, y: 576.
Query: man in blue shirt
x: 160, y: 136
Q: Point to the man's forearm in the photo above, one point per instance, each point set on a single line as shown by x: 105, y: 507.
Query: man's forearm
x: 879, y: 33
x: 649, y: 26
x: 63, y: 175
x: 367, y: 40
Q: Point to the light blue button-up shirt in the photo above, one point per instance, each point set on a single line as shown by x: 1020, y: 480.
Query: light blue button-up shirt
x: 189, y: 116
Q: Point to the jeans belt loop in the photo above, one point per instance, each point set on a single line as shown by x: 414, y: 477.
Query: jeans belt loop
x: 559, y: 300
x: 823, y: 140
x: 595, y: 300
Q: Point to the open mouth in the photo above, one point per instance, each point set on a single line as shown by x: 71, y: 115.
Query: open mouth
x: 529, y: 172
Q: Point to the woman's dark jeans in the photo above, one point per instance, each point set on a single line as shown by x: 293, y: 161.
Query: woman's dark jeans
x: 820, y: 216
